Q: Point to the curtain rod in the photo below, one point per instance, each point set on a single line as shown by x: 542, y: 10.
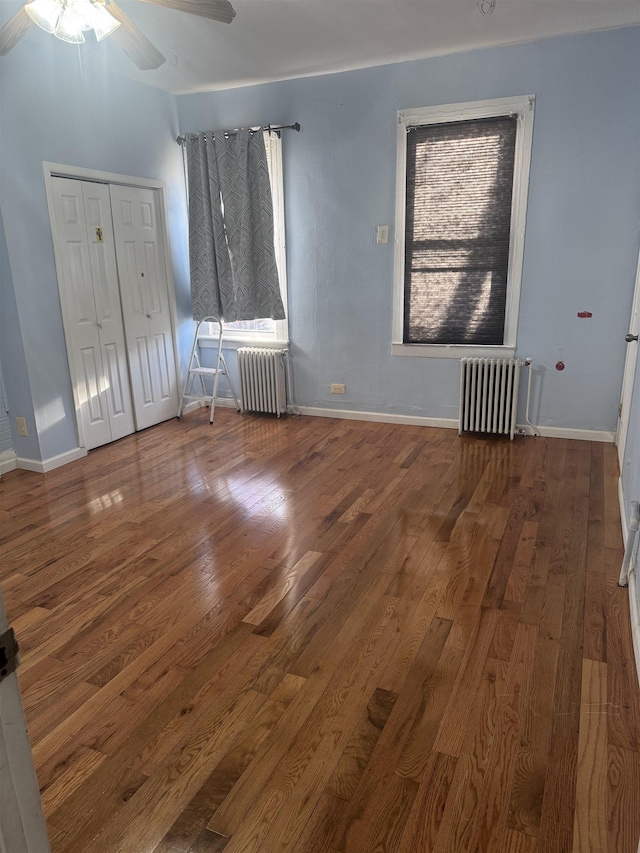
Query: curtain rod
x: 270, y: 127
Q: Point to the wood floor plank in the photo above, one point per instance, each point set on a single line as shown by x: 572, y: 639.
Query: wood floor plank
x: 354, y: 759
x: 389, y: 819
x: 590, y: 822
x: 518, y: 842
x: 209, y: 842
x: 490, y: 827
x: 623, y: 819
x: 314, y: 635
x: 414, y: 758
x: 424, y: 820
x: 457, y: 821
x: 452, y: 729
x: 595, y: 633
x: 528, y: 787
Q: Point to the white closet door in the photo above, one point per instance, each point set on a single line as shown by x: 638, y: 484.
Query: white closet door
x: 85, y: 253
x: 104, y: 273
x: 145, y: 304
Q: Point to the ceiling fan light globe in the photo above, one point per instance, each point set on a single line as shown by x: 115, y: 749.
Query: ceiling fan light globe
x: 69, y: 28
x: 102, y: 22
x: 44, y: 13
x: 80, y: 12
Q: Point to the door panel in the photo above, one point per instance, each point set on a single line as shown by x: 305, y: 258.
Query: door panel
x: 154, y: 283
x: 144, y: 362
x: 145, y: 303
x: 161, y: 345
x: 81, y: 324
x: 91, y: 372
x: 118, y: 400
x: 146, y: 215
x: 104, y: 271
x: 80, y: 271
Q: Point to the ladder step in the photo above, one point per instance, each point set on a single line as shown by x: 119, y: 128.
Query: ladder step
x: 207, y: 371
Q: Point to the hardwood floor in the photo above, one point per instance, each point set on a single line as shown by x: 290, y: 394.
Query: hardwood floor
x: 326, y: 636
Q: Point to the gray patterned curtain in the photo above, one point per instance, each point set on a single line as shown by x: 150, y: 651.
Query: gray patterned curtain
x: 233, y: 265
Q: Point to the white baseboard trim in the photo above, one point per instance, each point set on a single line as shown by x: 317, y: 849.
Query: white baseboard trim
x: 225, y: 402
x: 567, y: 432
x: 378, y: 417
x: 634, y: 606
x: 450, y: 423
x: 634, y: 609
x: 623, y: 511
x: 222, y: 402
x: 8, y: 461
x: 190, y: 407
x: 41, y: 467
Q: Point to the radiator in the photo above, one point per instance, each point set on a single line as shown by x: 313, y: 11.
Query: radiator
x: 262, y: 380
x: 489, y: 395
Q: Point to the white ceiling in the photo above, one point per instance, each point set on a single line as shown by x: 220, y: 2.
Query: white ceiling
x: 282, y: 39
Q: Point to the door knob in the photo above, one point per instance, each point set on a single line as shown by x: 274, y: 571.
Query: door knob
x: 630, y: 338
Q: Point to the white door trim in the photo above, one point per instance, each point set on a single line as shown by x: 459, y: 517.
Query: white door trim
x: 629, y: 373
x: 22, y: 825
x: 60, y: 170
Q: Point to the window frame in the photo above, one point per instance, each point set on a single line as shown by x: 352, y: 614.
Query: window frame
x: 234, y: 338
x: 521, y: 106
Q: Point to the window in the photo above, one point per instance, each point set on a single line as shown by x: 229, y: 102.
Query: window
x: 463, y: 174
x: 266, y: 331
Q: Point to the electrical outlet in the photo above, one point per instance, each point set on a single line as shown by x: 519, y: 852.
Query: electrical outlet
x: 21, y: 426
x: 337, y: 388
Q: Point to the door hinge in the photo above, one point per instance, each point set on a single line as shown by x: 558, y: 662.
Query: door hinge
x: 8, y: 653
x: 620, y: 410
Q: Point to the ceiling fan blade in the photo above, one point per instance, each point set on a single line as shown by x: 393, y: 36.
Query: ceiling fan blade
x: 134, y: 42
x: 217, y: 10
x: 13, y: 31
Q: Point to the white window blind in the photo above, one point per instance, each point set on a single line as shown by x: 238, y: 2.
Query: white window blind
x: 457, y: 228
x: 461, y: 200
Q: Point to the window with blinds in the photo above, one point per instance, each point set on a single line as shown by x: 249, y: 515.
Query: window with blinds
x: 463, y: 172
x: 458, y: 216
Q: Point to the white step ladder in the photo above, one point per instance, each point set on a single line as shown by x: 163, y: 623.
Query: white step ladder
x: 196, y: 372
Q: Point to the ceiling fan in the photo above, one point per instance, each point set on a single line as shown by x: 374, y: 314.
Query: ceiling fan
x: 67, y: 19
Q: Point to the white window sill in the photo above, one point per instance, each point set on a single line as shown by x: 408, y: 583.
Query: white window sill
x: 231, y: 341
x: 451, y: 351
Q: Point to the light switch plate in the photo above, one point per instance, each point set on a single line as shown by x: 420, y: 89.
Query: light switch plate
x: 382, y: 234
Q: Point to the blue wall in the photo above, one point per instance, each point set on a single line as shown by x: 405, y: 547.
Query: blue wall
x: 67, y: 107
x: 581, y: 243
x: 582, y: 228
x: 17, y: 390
